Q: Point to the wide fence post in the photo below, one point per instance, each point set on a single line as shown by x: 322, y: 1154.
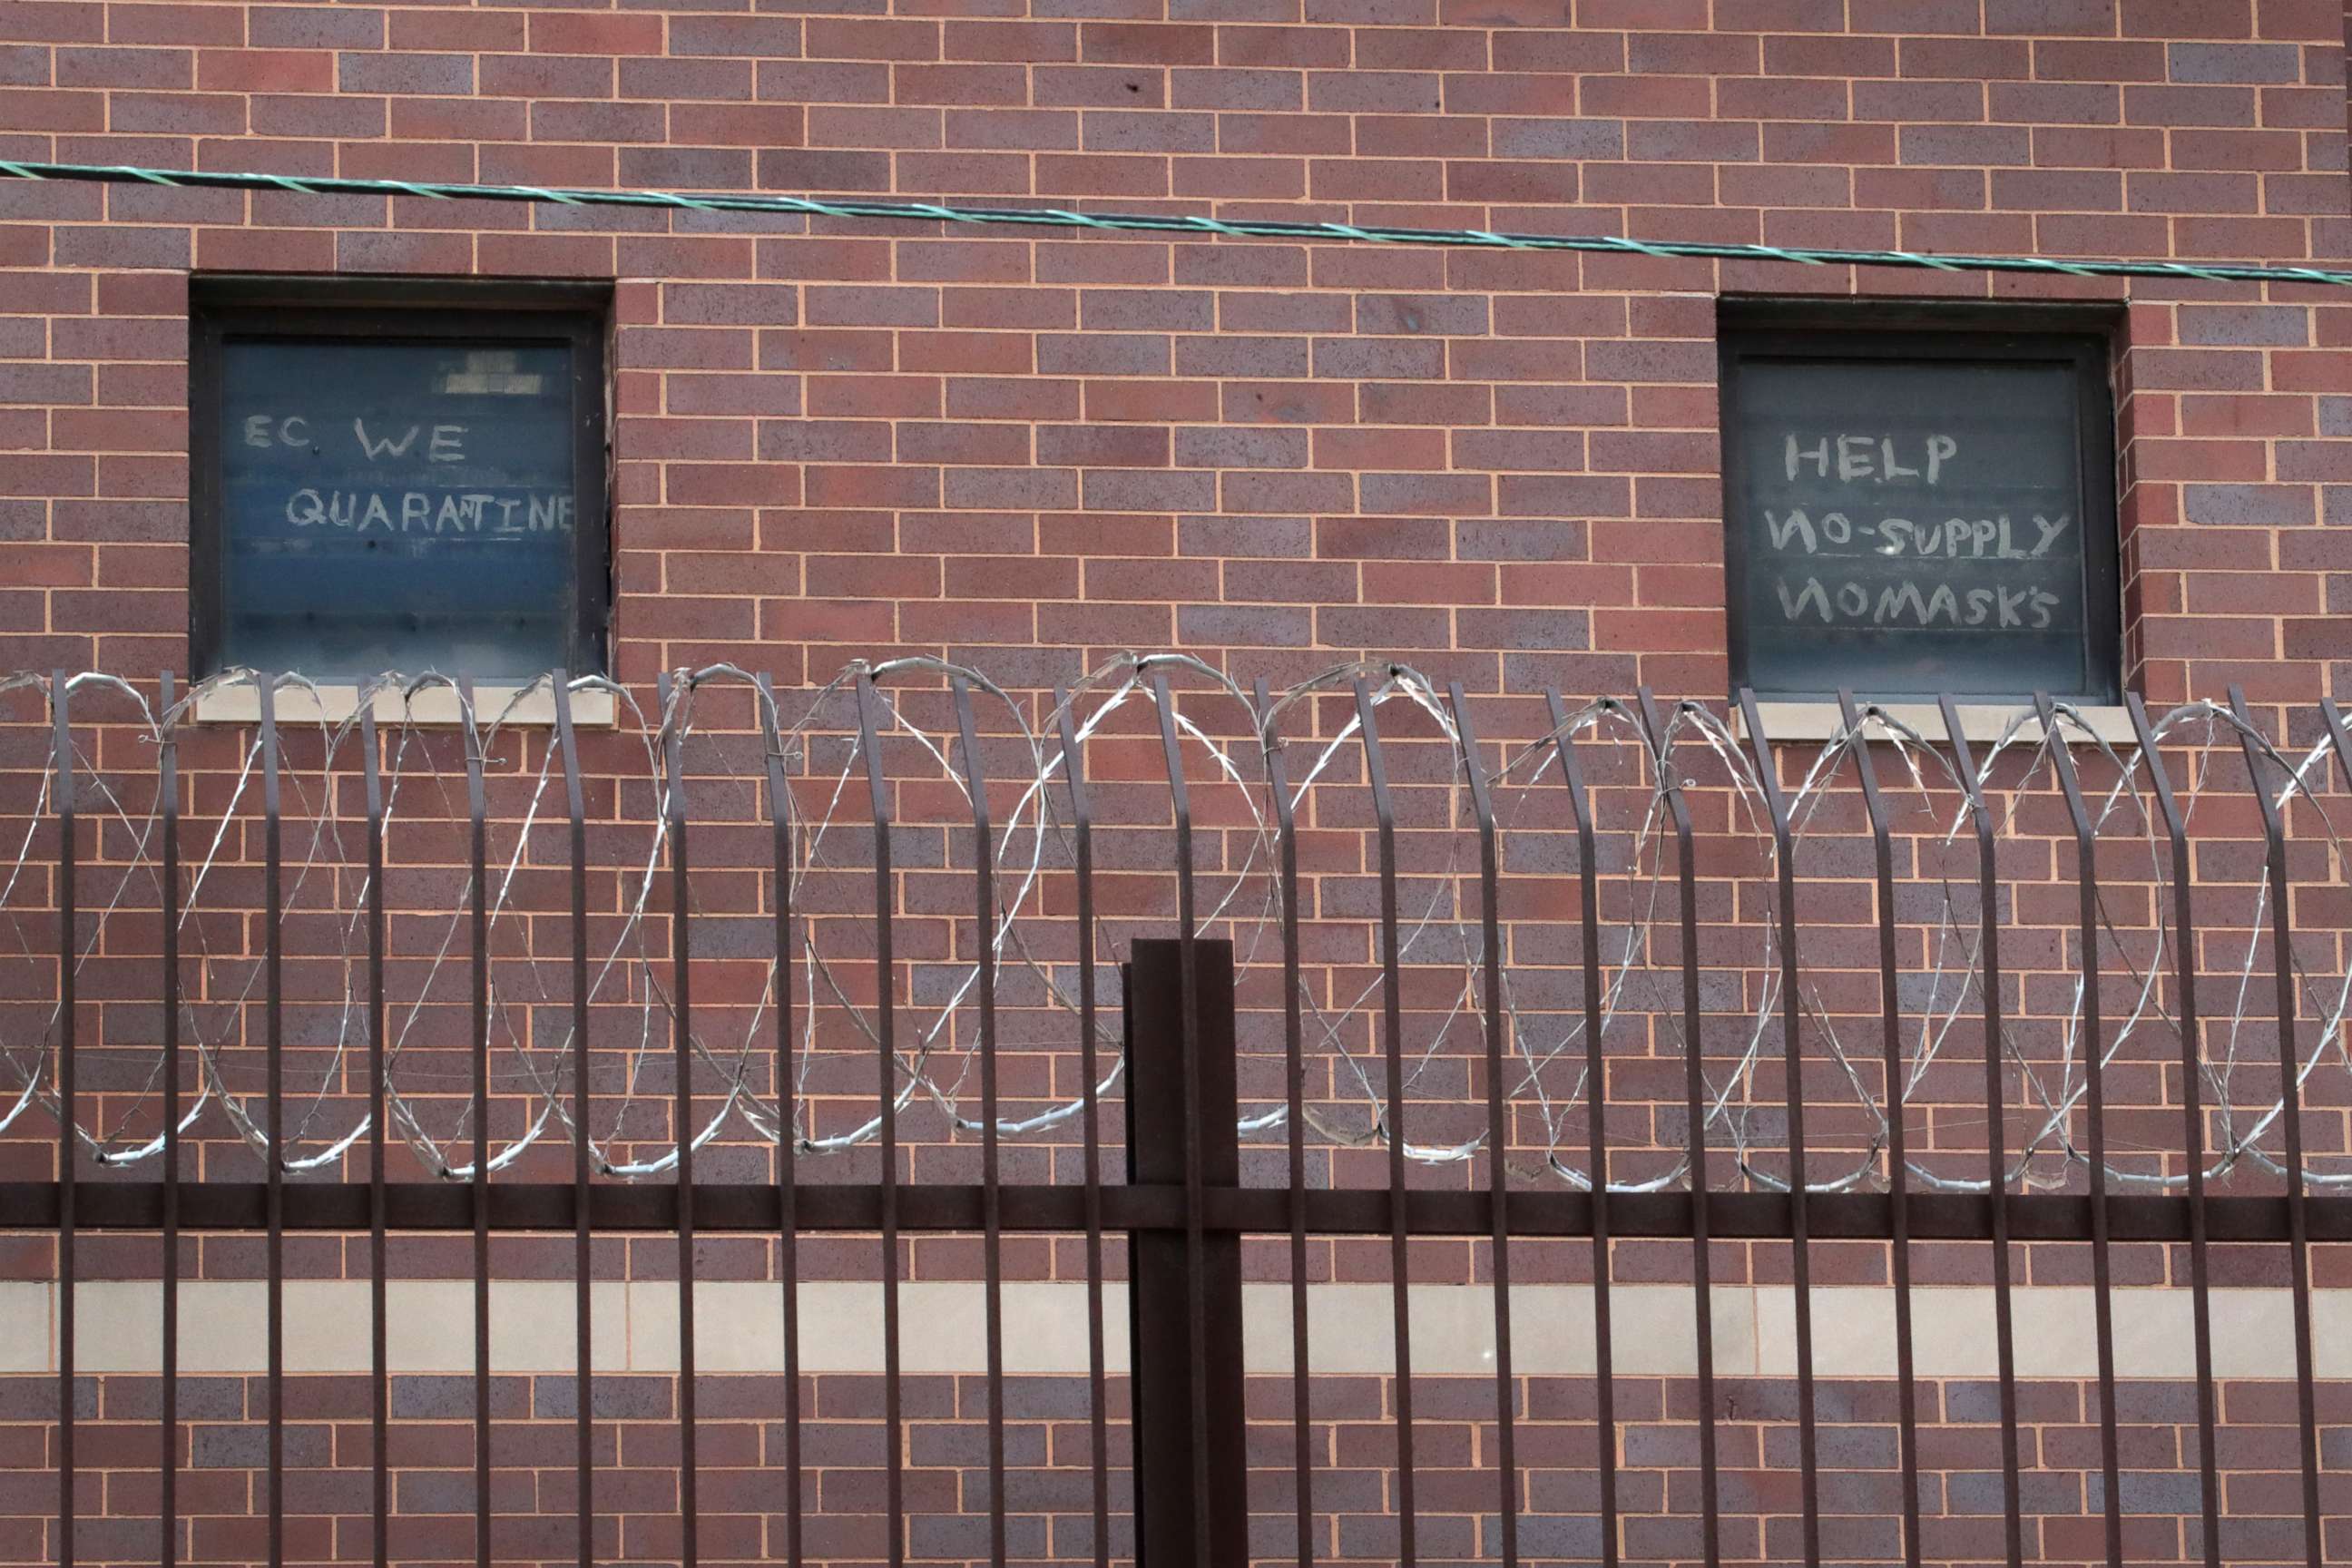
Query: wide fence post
x: 1162, y: 1372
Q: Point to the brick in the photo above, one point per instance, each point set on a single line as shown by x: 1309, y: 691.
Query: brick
x: 2187, y: 18
x: 122, y: 68
x: 2189, y: 106
x: 2095, y: 18
x: 1010, y: 42
x: 314, y: 26
x: 861, y: 39
x: 265, y: 70
x: 1120, y: 43
x: 583, y: 32
x: 769, y: 37
x: 409, y: 73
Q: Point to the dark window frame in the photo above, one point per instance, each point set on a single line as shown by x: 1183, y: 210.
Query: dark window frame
x: 2084, y: 340
x: 576, y: 316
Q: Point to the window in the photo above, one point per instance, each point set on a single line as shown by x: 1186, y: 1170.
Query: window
x: 397, y: 477
x: 1918, y: 503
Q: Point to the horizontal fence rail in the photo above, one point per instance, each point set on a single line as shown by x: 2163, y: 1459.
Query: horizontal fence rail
x: 824, y: 988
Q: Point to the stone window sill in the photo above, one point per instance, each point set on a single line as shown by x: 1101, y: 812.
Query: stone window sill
x: 435, y: 707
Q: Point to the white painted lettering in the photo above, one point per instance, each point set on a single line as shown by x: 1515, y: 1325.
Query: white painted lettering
x: 1817, y: 454
x: 1893, y: 601
x: 1941, y: 449
x: 378, y: 451
x: 1854, y: 457
x: 1811, y: 598
x: 1783, y: 529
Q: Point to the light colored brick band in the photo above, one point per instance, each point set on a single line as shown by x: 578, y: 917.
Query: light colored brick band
x: 739, y: 1329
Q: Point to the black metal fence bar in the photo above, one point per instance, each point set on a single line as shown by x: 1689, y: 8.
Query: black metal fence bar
x: 1596, y: 1101
x: 788, y: 1224
x: 583, y: 1315
x: 2094, y: 1040
x: 1039, y: 1207
x: 991, y: 1207
x: 1295, y: 1125
x: 273, y: 938
x: 1792, y: 1052
x: 68, y: 1155
x: 1196, y: 1306
x: 1898, y: 1149
x: 886, y: 1095
x: 1082, y: 851
x: 682, y: 1093
x: 1498, y: 1128
x: 2192, y: 1113
x: 2291, y: 1118
x: 167, y: 896
x: 1694, y: 1051
x: 1392, y: 1067
x: 379, y: 1346
x: 1996, y: 1131
x: 478, y: 889
x: 1205, y: 1207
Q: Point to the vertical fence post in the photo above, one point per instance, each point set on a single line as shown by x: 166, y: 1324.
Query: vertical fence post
x: 584, y: 1319
x: 478, y: 909
x: 675, y: 700
x: 788, y: 1212
x: 1596, y: 1096
x: 1074, y: 773
x: 1164, y: 1375
x: 2005, y: 1326
x: 1898, y: 1154
x: 1792, y: 1049
x: 2290, y: 1112
x: 1391, y: 1038
x: 886, y: 1048
x: 379, y: 1319
x: 1694, y: 1091
x: 62, y: 803
x: 273, y: 950
x: 2192, y: 1105
x: 1499, y: 1127
x: 167, y: 810
x: 2103, y: 1299
x: 1293, y: 1078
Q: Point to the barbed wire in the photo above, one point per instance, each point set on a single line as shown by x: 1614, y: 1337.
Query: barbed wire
x: 822, y: 755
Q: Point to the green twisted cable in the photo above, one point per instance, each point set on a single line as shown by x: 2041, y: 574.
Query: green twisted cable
x: 1152, y: 223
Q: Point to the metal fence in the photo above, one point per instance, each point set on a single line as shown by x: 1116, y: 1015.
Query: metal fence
x: 1526, y: 949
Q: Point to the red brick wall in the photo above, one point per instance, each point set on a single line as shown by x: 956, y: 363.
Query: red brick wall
x: 840, y: 439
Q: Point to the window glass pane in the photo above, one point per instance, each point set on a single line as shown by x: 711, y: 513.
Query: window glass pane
x: 397, y: 505
x: 1913, y: 527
